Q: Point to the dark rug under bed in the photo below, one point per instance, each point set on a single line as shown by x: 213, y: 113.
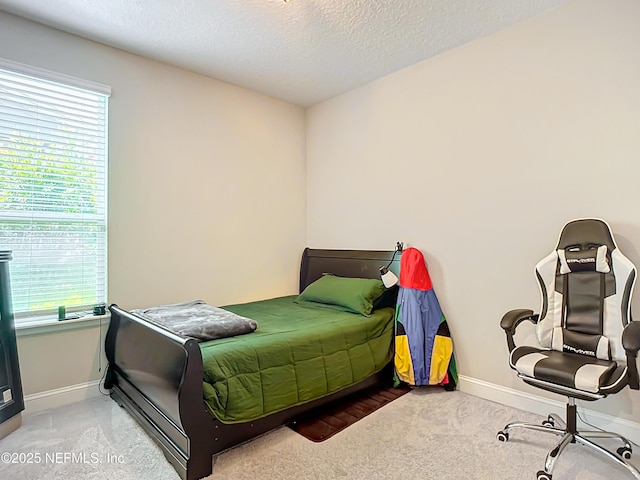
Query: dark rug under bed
x: 342, y: 414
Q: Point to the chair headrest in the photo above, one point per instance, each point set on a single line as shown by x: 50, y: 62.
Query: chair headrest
x: 575, y: 259
x: 586, y: 233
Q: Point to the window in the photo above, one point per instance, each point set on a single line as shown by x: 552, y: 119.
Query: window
x: 53, y: 189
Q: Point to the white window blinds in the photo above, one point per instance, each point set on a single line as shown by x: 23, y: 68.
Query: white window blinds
x: 53, y: 190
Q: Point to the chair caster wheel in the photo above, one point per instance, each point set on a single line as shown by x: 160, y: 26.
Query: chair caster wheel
x: 502, y: 436
x: 549, y: 422
x: 542, y: 475
x: 624, y: 452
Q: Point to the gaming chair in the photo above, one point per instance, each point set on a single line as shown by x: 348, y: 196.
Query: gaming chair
x: 588, y: 342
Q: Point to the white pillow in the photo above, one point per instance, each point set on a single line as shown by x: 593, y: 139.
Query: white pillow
x: 584, y: 260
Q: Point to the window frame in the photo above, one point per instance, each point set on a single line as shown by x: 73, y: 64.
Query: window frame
x: 39, y: 320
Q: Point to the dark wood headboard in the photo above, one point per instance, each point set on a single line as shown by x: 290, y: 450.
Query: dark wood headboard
x: 345, y: 263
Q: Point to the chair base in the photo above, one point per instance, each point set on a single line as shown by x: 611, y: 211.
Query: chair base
x: 569, y: 434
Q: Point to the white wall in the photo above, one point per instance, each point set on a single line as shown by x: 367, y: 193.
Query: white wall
x: 487, y: 151
x: 206, y: 190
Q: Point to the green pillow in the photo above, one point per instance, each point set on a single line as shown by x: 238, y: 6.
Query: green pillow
x: 350, y: 294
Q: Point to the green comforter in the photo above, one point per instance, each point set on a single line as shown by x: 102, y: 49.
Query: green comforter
x: 298, y: 354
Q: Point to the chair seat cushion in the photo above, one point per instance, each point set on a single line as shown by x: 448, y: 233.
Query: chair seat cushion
x: 571, y: 370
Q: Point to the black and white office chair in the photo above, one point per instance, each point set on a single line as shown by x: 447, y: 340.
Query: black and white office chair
x: 588, y: 342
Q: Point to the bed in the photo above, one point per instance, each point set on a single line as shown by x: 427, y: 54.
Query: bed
x: 160, y: 378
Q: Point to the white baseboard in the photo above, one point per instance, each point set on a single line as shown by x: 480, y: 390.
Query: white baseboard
x: 543, y: 406
x: 38, y: 402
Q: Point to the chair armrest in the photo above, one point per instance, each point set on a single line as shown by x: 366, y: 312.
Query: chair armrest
x: 631, y: 344
x: 512, y: 319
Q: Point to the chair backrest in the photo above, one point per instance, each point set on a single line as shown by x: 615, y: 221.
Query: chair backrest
x: 586, y: 285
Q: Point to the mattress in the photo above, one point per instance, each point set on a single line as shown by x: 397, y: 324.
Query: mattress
x: 299, y: 353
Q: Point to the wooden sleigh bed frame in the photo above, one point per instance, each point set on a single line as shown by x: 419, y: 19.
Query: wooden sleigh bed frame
x: 157, y: 376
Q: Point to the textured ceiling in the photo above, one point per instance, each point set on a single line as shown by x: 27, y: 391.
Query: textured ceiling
x: 303, y: 51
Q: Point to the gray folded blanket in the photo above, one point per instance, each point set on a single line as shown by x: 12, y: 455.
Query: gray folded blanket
x: 198, y: 320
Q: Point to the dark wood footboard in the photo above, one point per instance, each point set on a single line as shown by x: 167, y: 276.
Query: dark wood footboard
x: 157, y: 377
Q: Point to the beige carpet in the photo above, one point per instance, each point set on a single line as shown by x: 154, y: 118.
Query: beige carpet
x: 426, y: 434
